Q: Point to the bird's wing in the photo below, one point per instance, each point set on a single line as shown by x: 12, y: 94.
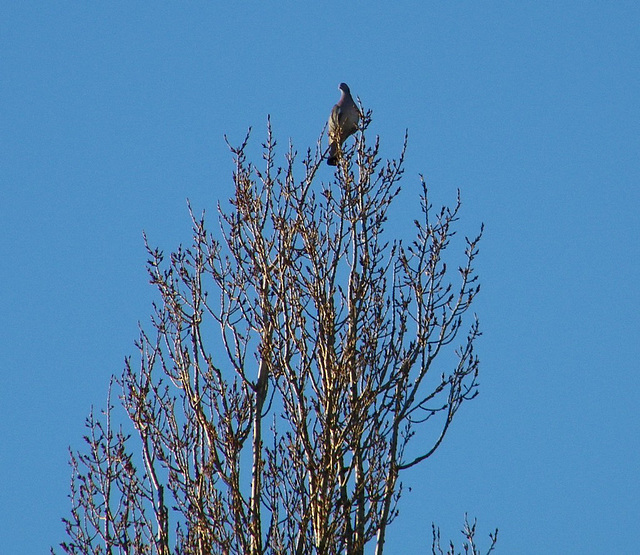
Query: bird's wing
x: 335, y: 122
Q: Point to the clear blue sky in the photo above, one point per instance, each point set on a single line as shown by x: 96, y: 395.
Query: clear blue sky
x: 112, y: 114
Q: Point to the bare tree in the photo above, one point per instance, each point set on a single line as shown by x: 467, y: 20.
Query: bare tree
x: 469, y: 545
x: 292, y: 360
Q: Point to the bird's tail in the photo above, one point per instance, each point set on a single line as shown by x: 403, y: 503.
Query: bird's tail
x: 332, y: 160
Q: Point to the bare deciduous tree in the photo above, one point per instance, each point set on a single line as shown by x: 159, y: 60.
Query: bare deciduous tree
x: 469, y: 545
x: 292, y: 360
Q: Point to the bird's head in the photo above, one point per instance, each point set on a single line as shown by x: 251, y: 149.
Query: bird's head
x: 344, y: 88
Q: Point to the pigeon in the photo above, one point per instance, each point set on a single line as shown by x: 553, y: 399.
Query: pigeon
x: 343, y: 121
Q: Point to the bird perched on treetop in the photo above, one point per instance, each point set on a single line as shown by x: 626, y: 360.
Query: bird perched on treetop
x: 343, y: 121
